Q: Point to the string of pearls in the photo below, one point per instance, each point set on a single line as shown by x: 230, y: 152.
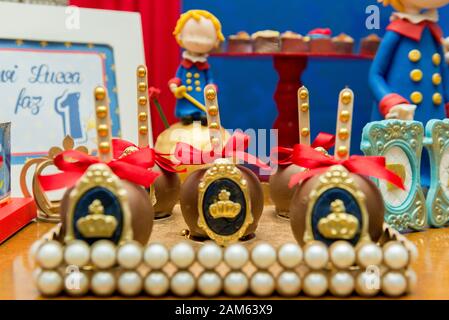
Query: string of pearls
x: 129, y: 269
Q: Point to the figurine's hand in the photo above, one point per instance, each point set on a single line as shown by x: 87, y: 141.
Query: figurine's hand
x: 173, y: 87
x: 179, y: 92
x: 402, y: 112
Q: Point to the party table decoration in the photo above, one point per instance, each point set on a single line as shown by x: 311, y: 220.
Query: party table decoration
x: 165, y: 189
x: 280, y: 193
x: 48, y: 209
x: 437, y: 144
x: 401, y: 143
x: 105, y: 199
x: 336, y: 200
x: 223, y: 201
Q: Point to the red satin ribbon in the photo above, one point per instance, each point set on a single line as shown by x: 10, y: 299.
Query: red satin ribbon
x: 371, y: 166
x: 323, y: 140
x: 234, y: 148
x: 73, y: 164
x: 1, y: 161
x: 119, y: 146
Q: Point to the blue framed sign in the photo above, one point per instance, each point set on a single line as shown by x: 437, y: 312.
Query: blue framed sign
x: 47, y: 93
x: 401, y: 143
x: 5, y: 161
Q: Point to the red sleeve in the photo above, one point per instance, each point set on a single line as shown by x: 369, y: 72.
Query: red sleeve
x: 389, y: 101
x: 176, y: 81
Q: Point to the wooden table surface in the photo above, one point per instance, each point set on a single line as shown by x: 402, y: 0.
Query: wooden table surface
x: 432, y: 265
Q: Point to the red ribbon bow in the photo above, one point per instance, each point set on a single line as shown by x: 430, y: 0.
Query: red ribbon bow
x: 1, y: 161
x: 133, y: 168
x: 372, y: 166
x: 234, y: 148
x: 119, y: 146
x: 323, y: 140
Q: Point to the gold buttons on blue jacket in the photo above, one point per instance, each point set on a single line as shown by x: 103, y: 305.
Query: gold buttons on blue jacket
x: 416, y: 97
x: 436, y: 79
x: 196, y: 75
x: 189, y: 88
x: 189, y: 74
x: 414, y: 55
x: 416, y: 75
x: 197, y: 82
x: 437, y: 99
x: 436, y: 59
x: 189, y: 81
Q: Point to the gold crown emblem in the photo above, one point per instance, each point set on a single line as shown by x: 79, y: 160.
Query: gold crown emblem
x: 224, y: 208
x: 97, y: 224
x: 338, y: 224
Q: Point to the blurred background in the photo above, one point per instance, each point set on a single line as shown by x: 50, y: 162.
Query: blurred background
x: 247, y: 85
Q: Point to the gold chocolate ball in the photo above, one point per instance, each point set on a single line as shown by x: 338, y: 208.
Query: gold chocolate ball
x: 210, y: 94
x: 100, y: 93
x: 141, y: 72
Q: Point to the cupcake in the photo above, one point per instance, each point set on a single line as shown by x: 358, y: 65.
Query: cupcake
x: 294, y: 42
x: 320, y: 41
x: 370, y: 44
x: 240, y: 43
x: 267, y: 41
x: 343, y: 43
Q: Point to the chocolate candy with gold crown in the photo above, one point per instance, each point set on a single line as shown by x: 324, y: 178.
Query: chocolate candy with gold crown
x: 167, y: 185
x: 280, y: 193
x: 224, y: 201
x: 336, y: 204
x: 101, y: 205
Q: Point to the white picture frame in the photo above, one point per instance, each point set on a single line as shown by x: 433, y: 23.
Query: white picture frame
x: 122, y: 31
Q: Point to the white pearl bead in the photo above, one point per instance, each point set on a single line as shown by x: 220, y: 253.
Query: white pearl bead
x: 156, y: 284
x: 369, y: 254
x: 49, y: 255
x: 315, y: 284
x: 316, y: 255
x: 262, y: 284
x: 288, y: 284
x: 129, y: 255
x: 367, y: 284
x: 130, y: 283
x: 263, y: 255
x: 341, y: 284
x: 290, y: 255
x: 342, y: 254
x: 395, y: 255
x: 236, y: 256
x: 236, y: 284
x: 412, y: 280
x: 32, y: 252
x: 182, y: 255
x: 210, y: 255
x: 103, y: 283
x: 76, y: 284
x: 182, y: 284
x: 413, y: 250
x: 156, y: 256
x: 77, y: 253
x: 35, y: 274
x: 103, y: 254
x: 210, y: 284
x: 394, y: 284
x: 50, y: 283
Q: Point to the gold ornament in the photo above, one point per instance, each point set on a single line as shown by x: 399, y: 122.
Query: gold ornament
x: 97, y: 224
x: 224, y: 208
x: 338, y: 224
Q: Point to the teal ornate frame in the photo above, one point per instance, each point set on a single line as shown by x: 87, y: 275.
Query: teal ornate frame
x: 377, y: 138
x: 437, y: 142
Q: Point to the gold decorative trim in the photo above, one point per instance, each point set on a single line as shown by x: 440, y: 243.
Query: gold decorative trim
x: 337, y: 177
x: 100, y: 175
x: 48, y: 210
x: 220, y: 170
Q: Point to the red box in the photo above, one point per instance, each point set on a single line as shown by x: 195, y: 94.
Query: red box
x: 16, y: 214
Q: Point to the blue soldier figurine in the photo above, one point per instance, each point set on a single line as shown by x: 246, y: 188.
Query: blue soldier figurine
x: 198, y: 32
x: 409, y: 77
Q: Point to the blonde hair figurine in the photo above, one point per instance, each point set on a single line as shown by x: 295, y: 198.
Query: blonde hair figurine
x: 198, y: 32
x: 408, y: 77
